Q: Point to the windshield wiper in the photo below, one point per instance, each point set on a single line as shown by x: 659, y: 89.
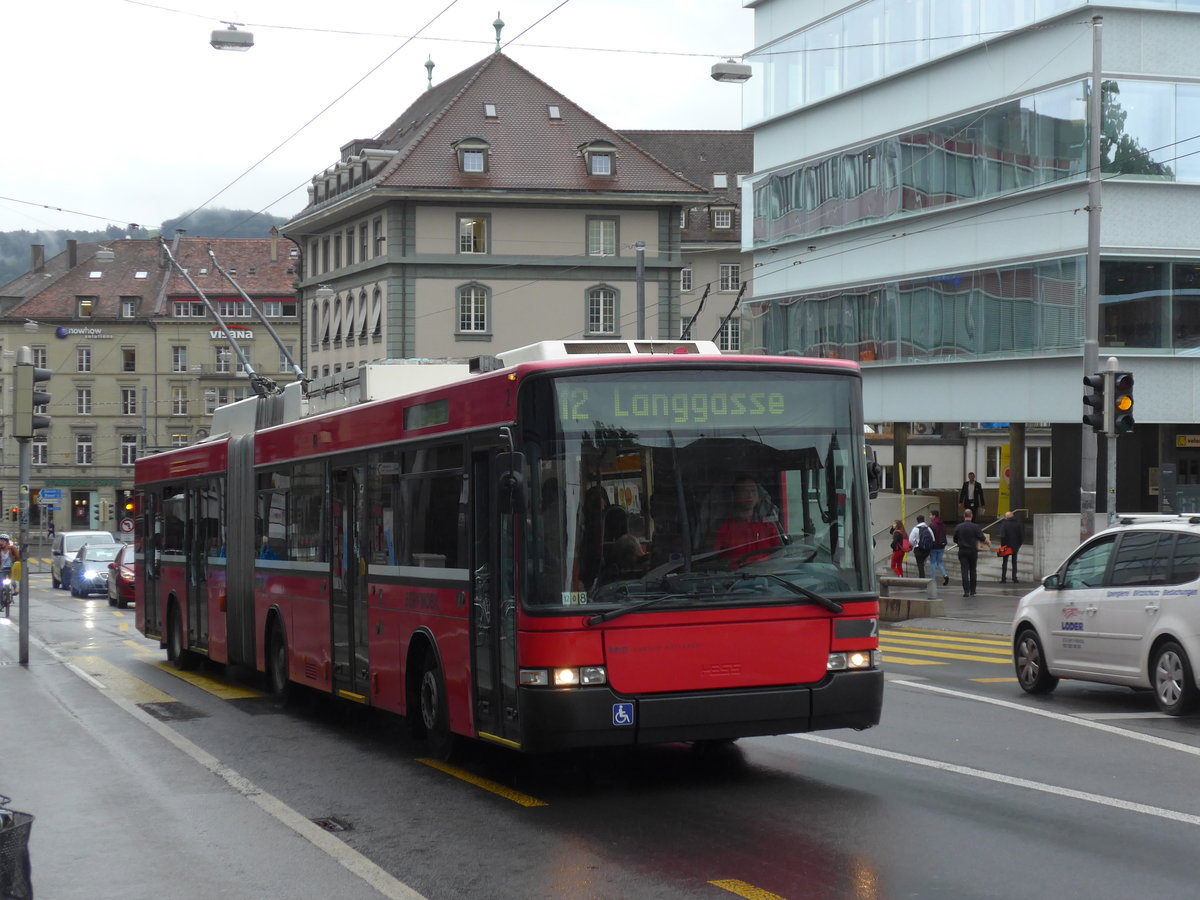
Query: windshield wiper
x: 623, y: 610
x: 828, y: 602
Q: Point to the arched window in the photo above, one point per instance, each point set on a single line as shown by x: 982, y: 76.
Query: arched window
x: 473, y: 306
x: 602, y: 316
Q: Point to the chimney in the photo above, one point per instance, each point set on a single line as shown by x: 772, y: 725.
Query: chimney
x: 38, y: 263
x: 72, y: 253
x: 274, y: 244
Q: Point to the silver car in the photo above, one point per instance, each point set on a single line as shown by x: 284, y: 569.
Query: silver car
x: 1123, y: 609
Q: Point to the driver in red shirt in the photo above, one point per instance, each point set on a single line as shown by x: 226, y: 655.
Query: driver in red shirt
x: 744, y: 535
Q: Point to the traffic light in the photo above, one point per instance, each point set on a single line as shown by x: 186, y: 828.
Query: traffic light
x: 1122, y: 403
x: 1100, y: 416
x: 26, y: 397
x: 15, y: 512
x: 103, y: 510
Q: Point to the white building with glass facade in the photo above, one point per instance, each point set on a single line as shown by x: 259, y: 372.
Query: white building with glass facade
x: 920, y: 204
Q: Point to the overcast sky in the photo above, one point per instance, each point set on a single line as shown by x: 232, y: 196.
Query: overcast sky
x: 122, y: 111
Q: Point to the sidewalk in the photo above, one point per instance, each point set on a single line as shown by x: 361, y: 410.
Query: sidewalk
x: 990, y: 611
x: 123, y: 810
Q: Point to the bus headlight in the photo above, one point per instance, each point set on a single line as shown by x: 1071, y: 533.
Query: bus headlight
x: 566, y: 676
x: 851, y: 660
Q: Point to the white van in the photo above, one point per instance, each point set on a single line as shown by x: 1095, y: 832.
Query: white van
x: 66, y: 544
x: 1121, y: 610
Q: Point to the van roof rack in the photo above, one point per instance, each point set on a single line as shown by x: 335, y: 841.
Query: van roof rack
x: 1151, y: 518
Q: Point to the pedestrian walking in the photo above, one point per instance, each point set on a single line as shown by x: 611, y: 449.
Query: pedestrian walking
x: 969, y: 537
x: 970, y: 497
x: 938, y: 553
x: 1012, y: 536
x: 921, y: 539
x: 899, y: 539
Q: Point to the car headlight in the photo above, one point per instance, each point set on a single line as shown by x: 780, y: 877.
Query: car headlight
x: 852, y: 660
x: 566, y: 676
x: 89, y: 574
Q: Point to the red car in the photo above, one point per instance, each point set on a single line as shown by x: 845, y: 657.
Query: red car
x: 120, y: 578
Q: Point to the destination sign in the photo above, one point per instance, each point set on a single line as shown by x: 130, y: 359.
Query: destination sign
x: 619, y: 404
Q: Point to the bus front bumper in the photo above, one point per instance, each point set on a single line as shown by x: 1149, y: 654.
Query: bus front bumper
x: 559, y: 719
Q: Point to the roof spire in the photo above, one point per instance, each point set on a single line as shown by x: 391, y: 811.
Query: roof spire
x: 498, y: 25
x: 429, y: 73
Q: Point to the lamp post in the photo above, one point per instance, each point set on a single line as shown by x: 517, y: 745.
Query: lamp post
x: 231, y: 39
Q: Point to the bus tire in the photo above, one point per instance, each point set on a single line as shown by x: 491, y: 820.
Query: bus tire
x: 433, y: 710
x: 277, y: 665
x: 176, y: 655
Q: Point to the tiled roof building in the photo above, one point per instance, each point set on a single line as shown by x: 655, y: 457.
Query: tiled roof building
x: 492, y: 212
x: 138, y: 361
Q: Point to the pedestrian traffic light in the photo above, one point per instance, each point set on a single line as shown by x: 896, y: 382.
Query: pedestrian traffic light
x: 1097, y: 412
x: 1122, y: 403
x: 27, y: 396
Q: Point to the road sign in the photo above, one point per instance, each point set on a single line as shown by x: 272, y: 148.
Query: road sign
x: 126, y: 526
x: 54, y: 508
x: 50, y: 494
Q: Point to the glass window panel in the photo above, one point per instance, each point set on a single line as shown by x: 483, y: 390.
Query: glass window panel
x: 1133, y: 296
x: 1186, y: 566
x: 953, y: 24
x: 1006, y: 15
x: 907, y: 26
x: 1143, y: 558
x: 1185, y: 306
x: 862, y: 36
x: 822, y: 62
x: 1139, y: 128
x: 1187, y: 131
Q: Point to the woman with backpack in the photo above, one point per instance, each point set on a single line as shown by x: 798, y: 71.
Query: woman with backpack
x: 922, y: 540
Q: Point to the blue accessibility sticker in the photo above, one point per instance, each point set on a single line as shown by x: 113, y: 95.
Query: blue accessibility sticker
x: 622, y: 713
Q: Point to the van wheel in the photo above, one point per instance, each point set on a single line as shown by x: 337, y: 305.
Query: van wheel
x: 1171, y: 677
x: 1030, y: 662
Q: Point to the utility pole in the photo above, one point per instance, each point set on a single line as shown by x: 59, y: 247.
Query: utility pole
x: 640, y: 251
x: 1091, y: 337
x: 27, y: 396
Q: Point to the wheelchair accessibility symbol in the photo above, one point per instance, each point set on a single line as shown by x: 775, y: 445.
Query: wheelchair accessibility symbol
x: 622, y: 713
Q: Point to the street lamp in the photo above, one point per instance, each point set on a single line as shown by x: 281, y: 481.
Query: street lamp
x: 232, y: 39
x: 731, y: 72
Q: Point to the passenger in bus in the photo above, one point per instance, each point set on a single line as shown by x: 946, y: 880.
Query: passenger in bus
x: 266, y: 551
x: 747, y: 535
x: 626, y: 559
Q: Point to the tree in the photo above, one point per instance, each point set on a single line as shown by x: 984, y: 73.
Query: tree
x: 1120, y: 152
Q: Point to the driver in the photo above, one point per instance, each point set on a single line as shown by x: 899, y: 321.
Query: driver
x: 9, y: 553
x: 745, y: 535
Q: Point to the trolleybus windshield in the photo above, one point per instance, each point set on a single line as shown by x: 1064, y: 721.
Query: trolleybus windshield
x: 721, y: 485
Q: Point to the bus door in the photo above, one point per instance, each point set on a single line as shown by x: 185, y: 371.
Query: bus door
x: 195, y: 541
x: 149, y: 607
x: 348, y: 584
x: 493, y: 605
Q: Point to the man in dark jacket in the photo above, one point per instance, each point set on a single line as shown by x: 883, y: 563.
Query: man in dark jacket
x: 1012, y: 536
x: 970, y: 497
x: 969, y: 536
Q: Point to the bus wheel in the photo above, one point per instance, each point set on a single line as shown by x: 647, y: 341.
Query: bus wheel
x: 435, y: 720
x: 178, y: 657
x: 277, y: 664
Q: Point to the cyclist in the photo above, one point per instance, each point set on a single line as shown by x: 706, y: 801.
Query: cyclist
x: 9, y: 554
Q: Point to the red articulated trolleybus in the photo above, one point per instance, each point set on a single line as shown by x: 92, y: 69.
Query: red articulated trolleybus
x: 578, y: 544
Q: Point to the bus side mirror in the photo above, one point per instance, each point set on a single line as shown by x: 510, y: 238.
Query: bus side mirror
x: 874, y: 475
x: 512, y: 489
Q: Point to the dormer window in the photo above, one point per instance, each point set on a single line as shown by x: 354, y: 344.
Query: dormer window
x: 722, y: 217
x: 472, y: 155
x: 600, y: 157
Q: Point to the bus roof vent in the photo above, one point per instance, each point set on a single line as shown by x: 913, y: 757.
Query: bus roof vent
x: 566, y: 349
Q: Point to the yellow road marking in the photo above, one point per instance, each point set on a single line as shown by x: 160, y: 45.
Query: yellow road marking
x: 999, y: 653
x: 941, y: 654
x: 995, y: 680
x: 212, y: 686
x: 120, y: 681
x: 749, y: 891
x: 953, y: 636
x: 889, y: 658
x: 141, y: 648
x: 488, y: 785
x: 124, y: 626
